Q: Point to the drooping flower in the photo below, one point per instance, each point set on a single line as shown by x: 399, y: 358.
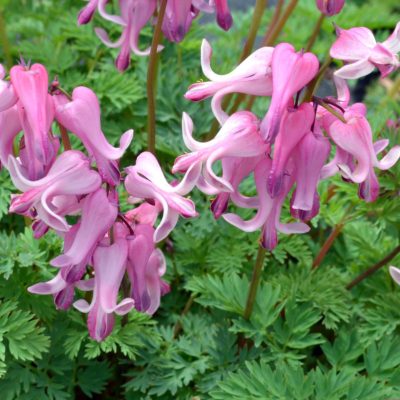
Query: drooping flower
x: 224, y: 17
x: 296, y: 123
x: 355, y: 138
x: 146, y: 266
x: 238, y: 137
x: 291, y: 72
x: 234, y: 171
x: 81, y: 116
x: 135, y: 14
x: 145, y: 180
x: 309, y: 157
x: 268, y: 208
x: 86, y: 14
x: 330, y: 7
x: 253, y: 77
x: 49, y: 199
x: 36, y: 113
x: 362, y: 54
x: 98, y: 215
x: 109, y: 263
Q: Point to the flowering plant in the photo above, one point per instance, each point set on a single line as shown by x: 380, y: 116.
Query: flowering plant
x: 211, y: 221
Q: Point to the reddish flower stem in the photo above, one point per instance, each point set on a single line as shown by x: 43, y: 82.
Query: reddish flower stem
x: 255, y: 281
x: 64, y: 138
x: 374, y: 268
x: 327, y: 245
x: 151, y: 81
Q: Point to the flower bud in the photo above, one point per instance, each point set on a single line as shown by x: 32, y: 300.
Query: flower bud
x: 330, y: 7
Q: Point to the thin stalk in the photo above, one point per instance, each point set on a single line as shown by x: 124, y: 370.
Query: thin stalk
x: 315, y: 33
x: 151, y: 78
x: 274, y: 21
x: 374, y: 268
x: 255, y: 281
x: 314, y: 84
x: 327, y: 245
x: 259, y: 9
x: 282, y: 21
x: 5, y: 43
x: 178, y: 325
x: 64, y: 138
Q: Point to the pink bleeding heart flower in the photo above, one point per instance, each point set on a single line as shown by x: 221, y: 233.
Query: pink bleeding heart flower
x: 177, y: 20
x: 81, y: 116
x: 86, y: 14
x: 8, y: 96
x: 224, y: 17
x: 146, y: 266
x: 235, y: 169
x: 296, y: 123
x: 330, y: 7
x: 145, y: 180
x: 253, y: 77
x: 291, y: 72
x: 69, y: 176
x: 62, y: 286
x: 268, y: 209
x: 109, y: 263
x: 135, y: 14
x: 355, y: 138
x: 362, y: 54
x: 98, y: 215
x: 36, y: 113
x: 239, y: 137
x: 309, y: 157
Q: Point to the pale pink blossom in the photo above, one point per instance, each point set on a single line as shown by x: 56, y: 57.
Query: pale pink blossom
x: 135, y: 14
x: 291, y: 72
x: 253, y: 76
x: 238, y: 137
x: 109, y: 263
x: 49, y: 199
x: 362, y: 54
x: 81, y: 116
x: 36, y: 113
x: 145, y: 180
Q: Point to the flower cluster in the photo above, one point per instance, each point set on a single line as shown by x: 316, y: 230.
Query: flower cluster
x: 136, y: 14
x: 103, y: 246
x: 287, y: 151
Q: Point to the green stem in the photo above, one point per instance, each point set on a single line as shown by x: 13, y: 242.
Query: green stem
x: 282, y: 22
x: 274, y: 21
x: 259, y: 9
x: 315, y: 33
x: 374, y: 268
x: 255, y: 281
x: 5, y: 43
x: 151, y: 80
